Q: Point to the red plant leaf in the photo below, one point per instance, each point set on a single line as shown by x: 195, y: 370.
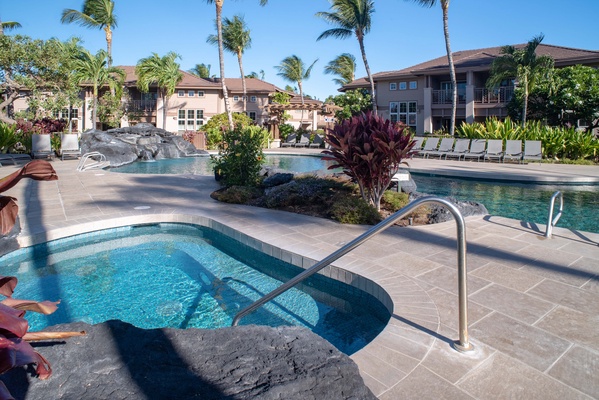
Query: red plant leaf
x: 8, y: 214
x: 42, y: 307
x: 12, y: 322
x: 7, y: 285
x: 4, y: 393
x: 15, y: 352
x: 39, y: 170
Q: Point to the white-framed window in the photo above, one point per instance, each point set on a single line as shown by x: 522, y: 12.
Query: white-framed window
x: 244, y: 98
x: 253, y: 115
x: 403, y: 85
x: 235, y: 98
x: 181, y: 93
x: 200, y: 93
x: 253, y: 99
x: 190, y: 120
x: 413, y: 85
x: 191, y: 93
x: 403, y: 111
x: 64, y: 113
x: 393, y: 86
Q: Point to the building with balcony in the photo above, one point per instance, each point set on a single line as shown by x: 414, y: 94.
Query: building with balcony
x: 420, y: 95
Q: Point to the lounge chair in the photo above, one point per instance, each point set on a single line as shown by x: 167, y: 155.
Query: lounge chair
x: 13, y: 159
x: 445, y: 147
x: 290, y: 141
x: 429, y: 145
x: 304, y: 141
x: 494, y: 150
x: 460, y: 149
x: 513, y: 150
x: 41, y: 147
x: 69, y: 146
x: 532, y: 150
x: 317, y: 142
x: 477, y: 149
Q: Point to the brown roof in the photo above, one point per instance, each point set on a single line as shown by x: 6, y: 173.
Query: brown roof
x: 254, y: 85
x: 481, y: 59
x: 189, y: 80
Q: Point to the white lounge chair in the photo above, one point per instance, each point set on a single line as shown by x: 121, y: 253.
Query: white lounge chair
x: 430, y: 145
x: 494, y: 150
x: 460, y: 149
x: 13, y: 159
x: 69, y: 146
x: 445, y: 147
x: 513, y: 150
x: 41, y: 146
x: 532, y: 150
x: 477, y: 149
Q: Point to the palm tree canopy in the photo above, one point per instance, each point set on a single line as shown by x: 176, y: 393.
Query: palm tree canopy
x: 94, y: 69
x: 262, y: 2
x: 349, y: 16
x: 293, y: 69
x: 10, y: 25
x: 427, y: 3
x: 201, y: 70
x: 95, y: 14
x: 236, y: 36
x: 162, y: 71
x: 344, y: 66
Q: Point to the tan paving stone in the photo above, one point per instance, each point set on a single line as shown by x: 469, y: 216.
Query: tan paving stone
x: 578, y: 368
x: 424, y: 384
x: 506, y: 276
x: 572, y: 325
x: 578, y: 299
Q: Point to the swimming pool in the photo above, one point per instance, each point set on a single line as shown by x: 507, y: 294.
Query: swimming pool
x: 183, y: 276
x: 202, y: 165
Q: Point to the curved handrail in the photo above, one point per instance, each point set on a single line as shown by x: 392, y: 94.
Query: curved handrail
x: 550, y: 220
x: 463, y: 343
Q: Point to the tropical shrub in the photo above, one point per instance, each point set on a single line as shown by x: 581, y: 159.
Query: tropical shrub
x: 354, y: 210
x: 8, y: 136
x: 240, y: 156
x: 370, y: 150
x: 285, y: 130
x: 237, y: 194
x: 218, y: 124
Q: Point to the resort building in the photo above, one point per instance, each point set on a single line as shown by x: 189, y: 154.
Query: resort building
x: 194, y: 102
x: 420, y: 95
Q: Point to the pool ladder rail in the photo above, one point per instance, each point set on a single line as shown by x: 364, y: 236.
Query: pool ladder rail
x: 92, y: 160
x: 463, y: 344
x: 550, y: 220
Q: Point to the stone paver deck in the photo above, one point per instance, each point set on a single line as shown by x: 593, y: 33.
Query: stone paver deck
x: 533, y: 302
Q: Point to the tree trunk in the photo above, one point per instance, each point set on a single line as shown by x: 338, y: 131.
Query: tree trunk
x: 299, y: 85
x: 109, y: 44
x: 525, y: 102
x: 94, y: 107
x: 454, y: 82
x: 221, y: 59
x: 372, y: 92
x: 164, y: 108
x: 244, y: 98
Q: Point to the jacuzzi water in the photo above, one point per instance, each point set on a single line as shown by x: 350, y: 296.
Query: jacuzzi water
x: 182, y: 276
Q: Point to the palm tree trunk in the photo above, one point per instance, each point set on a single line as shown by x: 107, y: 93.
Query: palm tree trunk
x: 221, y: 59
x: 94, y: 107
x: 164, y: 108
x: 525, y: 102
x: 299, y: 85
x: 372, y: 93
x: 454, y: 83
x: 239, y: 58
x: 109, y: 44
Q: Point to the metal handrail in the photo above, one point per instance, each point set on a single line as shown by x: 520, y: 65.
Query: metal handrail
x: 462, y: 344
x: 550, y: 220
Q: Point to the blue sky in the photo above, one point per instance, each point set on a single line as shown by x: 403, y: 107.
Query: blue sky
x: 403, y: 33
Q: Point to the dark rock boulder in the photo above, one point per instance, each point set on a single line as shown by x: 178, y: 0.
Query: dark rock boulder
x: 116, y: 360
x: 143, y: 141
x: 441, y: 214
x: 277, y: 179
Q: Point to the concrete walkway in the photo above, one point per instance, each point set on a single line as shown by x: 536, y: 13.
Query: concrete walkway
x: 533, y: 302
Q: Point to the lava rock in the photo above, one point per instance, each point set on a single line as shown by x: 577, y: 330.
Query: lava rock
x: 277, y: 179
x: 439, y: 213
x: 116, y: 360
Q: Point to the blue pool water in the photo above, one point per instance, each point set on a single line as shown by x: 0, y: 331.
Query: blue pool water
x: 182, y: 276
x: 203, y: 166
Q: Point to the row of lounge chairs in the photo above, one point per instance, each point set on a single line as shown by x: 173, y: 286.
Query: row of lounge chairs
x: 69, y: 148
x: 304, y: 141
x: 491, y: 149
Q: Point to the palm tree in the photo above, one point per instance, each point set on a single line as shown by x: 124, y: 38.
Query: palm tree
x: 219, y: 29
x: 236, y: 39
x: 292, y: 69
x: 343, y: 66
x: 96, y: 14
x: 351, y: 17
x: 162, y: 71
x: 201, y: 70
x: 8, y: 26
x: 256, y: 75
x: 454, y: 84
x: 524, y: 65
x: 94, y: 70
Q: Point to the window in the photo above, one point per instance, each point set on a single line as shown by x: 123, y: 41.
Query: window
x: 181, y: 93
x: 64, y: 113
x: 402, y: 86
x: 413, y: 85
x: 200, y: 93
x: 404, y: 111
x: 235, y: 98
x: 253, y: 116
x: 393, y: 86
x: 191, y: 93
x: 253, y: 99
x: 446, y: 87
x: 190, y: 120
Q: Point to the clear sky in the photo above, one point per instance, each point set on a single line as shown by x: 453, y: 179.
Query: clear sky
x: 403, y: 33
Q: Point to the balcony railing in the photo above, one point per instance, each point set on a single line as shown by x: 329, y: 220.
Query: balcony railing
x: 499, y: 95
x: 444, y: 97
x: 141, y: 106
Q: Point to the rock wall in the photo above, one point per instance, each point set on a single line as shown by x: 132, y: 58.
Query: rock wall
x: 116, y: 360
x: 140, y: 142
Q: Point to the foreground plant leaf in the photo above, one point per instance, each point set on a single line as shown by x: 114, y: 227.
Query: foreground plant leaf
x: 42, y: 307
